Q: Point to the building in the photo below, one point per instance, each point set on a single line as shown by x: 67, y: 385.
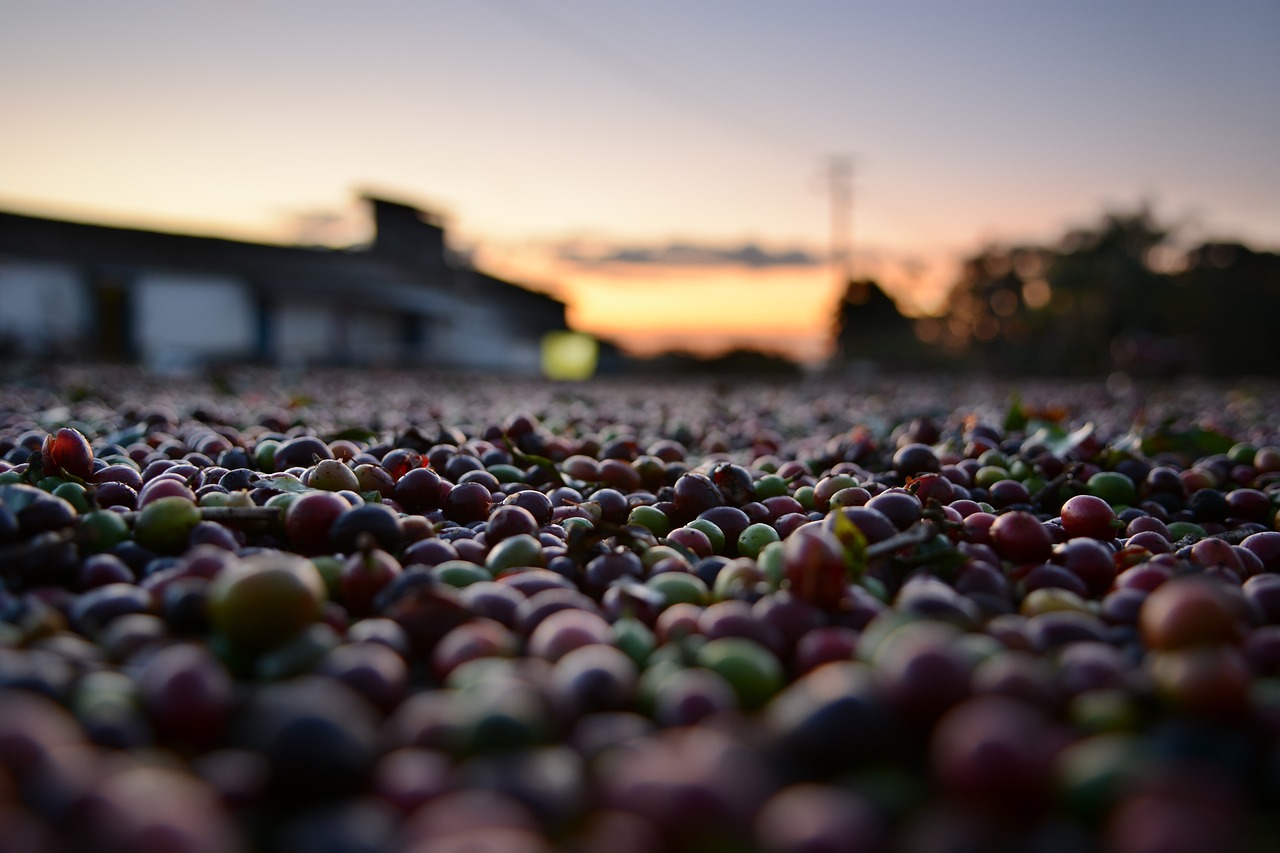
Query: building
x: 171, y: 300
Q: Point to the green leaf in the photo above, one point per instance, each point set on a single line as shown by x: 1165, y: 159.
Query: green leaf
x: 636, y: 538
x: 528, y: 460
x: 876, y: 587
x: 1194, y: 441
x: 855, y: 545
x: 1129, y: 444
x: 127, y: 436
x: 1015, y: 418
x: 582, y: 541
x: 35, y: 468
x: 1065, y: 444
x: 1045, y: 433
x: 354, y: 434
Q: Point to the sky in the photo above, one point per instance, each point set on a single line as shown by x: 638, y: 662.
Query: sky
x: 664, y: 167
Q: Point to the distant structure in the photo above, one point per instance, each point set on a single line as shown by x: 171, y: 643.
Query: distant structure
x: 172, y: 300
x: 870, y: 330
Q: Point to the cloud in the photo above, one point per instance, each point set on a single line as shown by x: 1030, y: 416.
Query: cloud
x: 682, y: 254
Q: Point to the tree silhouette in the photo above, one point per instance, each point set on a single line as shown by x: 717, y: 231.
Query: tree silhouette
x: 1116, y: 295
x: 869, y: 328
x: 1058, y: 309
x: 1225, y: 305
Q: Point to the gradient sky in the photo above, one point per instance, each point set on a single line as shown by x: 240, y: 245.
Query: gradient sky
x: 623, y: 154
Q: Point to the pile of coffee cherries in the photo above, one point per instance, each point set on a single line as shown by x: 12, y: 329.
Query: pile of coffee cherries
x: 343, y: 612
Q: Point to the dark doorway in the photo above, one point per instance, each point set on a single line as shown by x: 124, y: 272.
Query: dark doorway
x: 114, y: 319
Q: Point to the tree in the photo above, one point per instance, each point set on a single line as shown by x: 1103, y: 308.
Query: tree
x: 870, y: 328
x: 1225, y: 303
x: 1058, y: 309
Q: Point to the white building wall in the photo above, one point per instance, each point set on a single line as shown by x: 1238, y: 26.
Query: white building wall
x: 305, y: 334
x: 475, y: 336
x: 180, y: 320
x: 43, y: 305
x: 325, y: 333
x: 374, y: 337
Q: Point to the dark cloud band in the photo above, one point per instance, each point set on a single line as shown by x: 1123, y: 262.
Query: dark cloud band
x: 691, y: 255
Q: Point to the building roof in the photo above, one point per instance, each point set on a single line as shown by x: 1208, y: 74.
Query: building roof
x: 419, y: 282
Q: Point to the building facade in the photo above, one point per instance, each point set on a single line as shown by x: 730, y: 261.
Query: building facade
x: 94, y: 292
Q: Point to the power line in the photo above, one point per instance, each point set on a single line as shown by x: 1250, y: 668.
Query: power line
x: 640, y: 73
x: 627, y: 66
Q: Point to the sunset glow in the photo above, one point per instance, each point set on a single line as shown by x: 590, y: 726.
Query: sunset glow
x: 705, y: 311
x: 644, y: 131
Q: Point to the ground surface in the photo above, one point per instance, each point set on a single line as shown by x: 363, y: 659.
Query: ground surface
x: 408, y: 611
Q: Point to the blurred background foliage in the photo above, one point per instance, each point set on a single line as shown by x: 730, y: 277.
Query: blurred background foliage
x: 1118, y: 296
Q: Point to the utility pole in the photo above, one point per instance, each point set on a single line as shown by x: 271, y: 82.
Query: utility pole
x: 840, y: 188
